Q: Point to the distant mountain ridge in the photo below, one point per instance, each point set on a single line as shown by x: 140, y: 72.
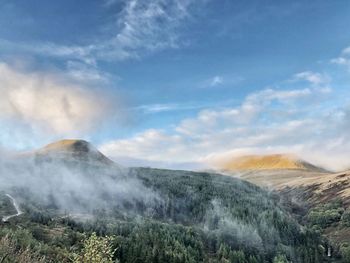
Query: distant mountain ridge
x: 268, y: 162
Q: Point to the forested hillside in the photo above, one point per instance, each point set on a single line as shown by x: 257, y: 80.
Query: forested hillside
x: 149, y: 215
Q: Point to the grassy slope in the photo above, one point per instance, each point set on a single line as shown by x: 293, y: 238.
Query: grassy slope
x: 313, y: 188
x: 266, y: 162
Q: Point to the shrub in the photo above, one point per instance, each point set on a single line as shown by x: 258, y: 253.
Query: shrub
x: 326, y: 215
x: 10, y: 253
x: 345, y: 252
x: 280, y: 259
x: 346, y: 218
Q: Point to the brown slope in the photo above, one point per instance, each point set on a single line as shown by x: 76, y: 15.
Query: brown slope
x: 323, y: 188
x: 267, y: 162
x: 72, y: 149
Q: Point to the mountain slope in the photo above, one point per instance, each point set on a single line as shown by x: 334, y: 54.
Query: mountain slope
x: 73, y: 150
x: 322, y: 188
x: 267, y: 162
x: 202, y: 217
x: 328, y: 199
x: 324, y: 196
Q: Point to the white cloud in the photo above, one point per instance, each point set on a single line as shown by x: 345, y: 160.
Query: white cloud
x: 346, y: 51
x: 250, y: 109
x: 217, y: 80
x: 150, y: 24
x: 141, y: 27
x: 83, y: 72
x: 314, y: 78
x: 152, y: 145
x: 146, y: 26
x: 252, y: 127
x: 156, y: 108
x: 47, y: 49
x: 220, y: 81
x: 340, y: 61
x: 166, y: 107
x: 268, y: 95
x: 48, y: 102
x: 343, y: 59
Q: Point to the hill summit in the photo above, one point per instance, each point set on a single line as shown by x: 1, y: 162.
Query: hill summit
x: 71, y: 148
x: 69, y: 145
x: 268, y: 162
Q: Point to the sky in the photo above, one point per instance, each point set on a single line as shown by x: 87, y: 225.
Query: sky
x: 178, y: 83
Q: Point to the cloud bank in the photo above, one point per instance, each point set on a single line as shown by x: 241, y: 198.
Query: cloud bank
x: 42, y: 106
x: 298, y: 120
x: 47, y: 103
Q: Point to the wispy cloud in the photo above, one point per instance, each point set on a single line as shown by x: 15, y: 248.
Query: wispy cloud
x: 314, y: 78
x: 86, y: 73
x: 343, y: 59
x: 47, y: 49
x: 253, y: 107
x: 166, y: 107
x: 141, y: 27
x: 109, y: 3
x: 65, y: 104
x: 144, y: 146
x: 216, y: 80
x: 220, y: 81
x: 148, y: 26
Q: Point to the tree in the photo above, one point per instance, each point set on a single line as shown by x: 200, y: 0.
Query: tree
x: 345, y: 252
x: 346, y: 218
x: 96, y: 250
x: 280, y: 259
x: 10, y: 253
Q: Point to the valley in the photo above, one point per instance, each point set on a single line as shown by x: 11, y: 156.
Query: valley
x: 174, y: 131
x: 150, y: 215
x: 319, y: 197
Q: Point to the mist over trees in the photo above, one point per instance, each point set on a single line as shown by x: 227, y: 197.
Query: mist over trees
x: 150, y: 215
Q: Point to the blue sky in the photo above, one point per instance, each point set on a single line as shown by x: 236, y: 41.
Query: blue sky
x: 178, y: 83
